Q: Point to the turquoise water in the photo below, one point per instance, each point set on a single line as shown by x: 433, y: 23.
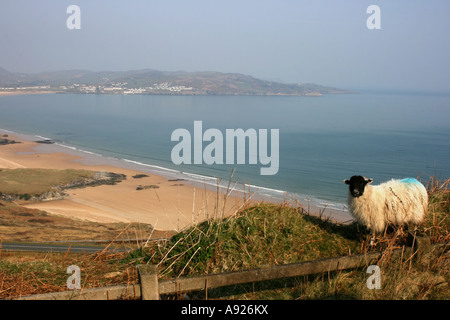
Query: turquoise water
x: 323, y: 140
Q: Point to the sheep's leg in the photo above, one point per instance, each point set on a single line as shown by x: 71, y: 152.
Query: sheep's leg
x: 372, y: 239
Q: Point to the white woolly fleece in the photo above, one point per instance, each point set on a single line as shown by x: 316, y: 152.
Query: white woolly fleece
x: 396, y: 202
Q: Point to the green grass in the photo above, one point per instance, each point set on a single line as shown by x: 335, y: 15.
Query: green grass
x: 30, y: 182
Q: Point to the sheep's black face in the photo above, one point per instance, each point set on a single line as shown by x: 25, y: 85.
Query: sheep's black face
x: 357, y: 185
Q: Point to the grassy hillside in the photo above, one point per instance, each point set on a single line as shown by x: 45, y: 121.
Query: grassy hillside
x: 257, y: 237
x: 269, y: 234
x: 266, y: 235
x: 203, y: 83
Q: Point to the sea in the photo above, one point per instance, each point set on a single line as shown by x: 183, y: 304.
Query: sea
x: 322, y: 140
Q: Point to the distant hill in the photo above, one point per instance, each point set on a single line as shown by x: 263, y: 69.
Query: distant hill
x: 161, y: 82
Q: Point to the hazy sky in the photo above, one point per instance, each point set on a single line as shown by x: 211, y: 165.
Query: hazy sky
x: 318, y: 41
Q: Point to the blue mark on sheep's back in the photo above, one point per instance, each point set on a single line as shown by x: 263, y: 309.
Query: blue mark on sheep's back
x: 409, y: 180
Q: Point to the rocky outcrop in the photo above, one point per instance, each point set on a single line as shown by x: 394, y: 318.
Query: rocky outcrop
x: 100, y: 178
x: 4, y: 141
x: 152, y: 186
x: 54, y: 194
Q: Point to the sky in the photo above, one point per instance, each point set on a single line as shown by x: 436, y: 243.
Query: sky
x: 292, y: 41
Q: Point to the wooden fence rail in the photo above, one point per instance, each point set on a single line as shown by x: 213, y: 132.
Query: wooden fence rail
x: 263, y: 274
x: 150, y: 288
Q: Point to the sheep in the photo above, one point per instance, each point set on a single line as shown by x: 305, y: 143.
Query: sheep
x: 394, y: 202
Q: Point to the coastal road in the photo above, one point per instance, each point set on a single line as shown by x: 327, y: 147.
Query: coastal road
x: 42, y: 247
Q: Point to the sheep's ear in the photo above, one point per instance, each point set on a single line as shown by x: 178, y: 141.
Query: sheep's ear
x: 346, y: 181
x: 370, y: 180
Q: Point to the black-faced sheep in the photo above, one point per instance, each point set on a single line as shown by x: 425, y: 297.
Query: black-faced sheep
x: 394, y: 202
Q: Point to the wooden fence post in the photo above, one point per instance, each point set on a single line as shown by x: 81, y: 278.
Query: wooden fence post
x: 148, y: 276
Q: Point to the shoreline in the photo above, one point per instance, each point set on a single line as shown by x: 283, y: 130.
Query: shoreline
x: 174, y: 205
x: 313, y: 205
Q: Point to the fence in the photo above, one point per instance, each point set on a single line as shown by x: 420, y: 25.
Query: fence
x: 150, y: 288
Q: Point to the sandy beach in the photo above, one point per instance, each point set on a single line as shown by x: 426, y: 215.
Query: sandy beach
x: 173, y: 206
